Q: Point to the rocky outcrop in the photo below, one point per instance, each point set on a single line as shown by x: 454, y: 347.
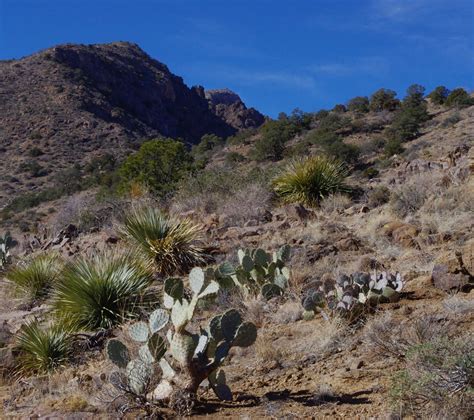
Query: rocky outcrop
x: 228, y: 106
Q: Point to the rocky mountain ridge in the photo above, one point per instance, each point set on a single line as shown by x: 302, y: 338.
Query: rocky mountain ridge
x: 69, y: 103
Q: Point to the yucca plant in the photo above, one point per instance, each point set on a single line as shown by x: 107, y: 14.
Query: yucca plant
x: 42, y: 350
x: 37, y: 276
x: 309, y: 180
x: 171, y: 245
x: 101, y: 291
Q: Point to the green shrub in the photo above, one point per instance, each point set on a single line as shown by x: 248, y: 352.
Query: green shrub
x: 359, y: 104
x: 35, y: 152
x: 274, y: 135
x: 459, y: 98
x: 393, y: 147
x: 371, y: 172
x: 309, y: 180
x: 437, y: 381
x: 33, y: 168
x: 339, y: 109
x: 412, y: 114
x: 158, y: 165
x: 384, y: 100
x: 37, y: 276
x: 101, y: 291
x: 234, y: 157
x: 206, y: 147
x: 345, y: 152
x: 451, y: 120
x: 439, y: 95
x: 241, y: 137
x: 167, y: 243
x: 42, y: 350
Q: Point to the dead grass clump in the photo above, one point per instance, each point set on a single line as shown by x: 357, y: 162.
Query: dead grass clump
x: 457, y: 305
x: 335, y: 203
x: 267, y: 351
x: 250, y: 203
x: 378, y: 196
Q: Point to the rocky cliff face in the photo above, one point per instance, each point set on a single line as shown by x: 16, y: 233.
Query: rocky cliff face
x: 71, y: 102
x: 228, y: 106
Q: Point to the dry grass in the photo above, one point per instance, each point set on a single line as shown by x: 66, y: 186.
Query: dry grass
x: 335, y: 204
x: 267, y: 351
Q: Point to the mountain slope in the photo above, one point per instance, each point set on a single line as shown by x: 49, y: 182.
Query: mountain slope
x: 66, y: 104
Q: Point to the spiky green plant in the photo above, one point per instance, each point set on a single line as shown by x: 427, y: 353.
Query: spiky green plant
x: 42, y: 350
x: 309, y: 180
x: 170, y: 244
x: 37, y: 276
x: 101, y: 291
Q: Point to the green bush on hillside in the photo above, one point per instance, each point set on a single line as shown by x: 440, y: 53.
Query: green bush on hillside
x: 384, y: 100
x: 439, y: 95
x: 459, y: 98
x: 158, y: 165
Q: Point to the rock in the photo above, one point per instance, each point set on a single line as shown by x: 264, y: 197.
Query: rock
x: 357, y: 364
x: 364, y: 209
x: 403, y: 233
x: 349, y: 243
x: 449, y: 273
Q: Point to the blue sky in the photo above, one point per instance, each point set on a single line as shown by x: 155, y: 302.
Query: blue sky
x: 278, y: 55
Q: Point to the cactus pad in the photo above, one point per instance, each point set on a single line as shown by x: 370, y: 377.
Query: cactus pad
x: 230, y: 322
x: 196, y: 280
x: 139, y: 332
x: 246, y: 335
x: 158, y: 319
x: 118, y: 353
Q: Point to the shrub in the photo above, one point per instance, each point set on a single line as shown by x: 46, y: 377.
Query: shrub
x: 166, y: 242
x: 158, y: 165
x: 371, y: 172
x: 393, y: 147
x: 101, y: 291
x: 33, y: 168
x: 437, y: 380
x: 241, y: 137
x: 345, y: 152
x: 408, y: 199
x: 35, y: 152
x: 234, y: 157
x: 379, y: 196
x: 439, y: 95
x: 359, y: 104
x: 309, y: 180
x: 339, y: 108
x: 37, y: 276
x: 42, y: 350
x: 451, y: 120
x: 274, y: 136
x: 459, y: 98
x: 207, y: 146
x: 384, y: 99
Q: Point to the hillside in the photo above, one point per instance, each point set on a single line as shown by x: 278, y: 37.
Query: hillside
x: 404, y: 205
x: 66, y: 105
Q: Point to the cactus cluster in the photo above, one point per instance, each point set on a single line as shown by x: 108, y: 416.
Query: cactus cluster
x: 352, y: 294
x: 190, y: 358
x: 6, y: 243
x: 260, y: 272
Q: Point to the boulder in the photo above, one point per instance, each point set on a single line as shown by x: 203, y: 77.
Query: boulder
x: 449, y: 273
x: 403, y: 233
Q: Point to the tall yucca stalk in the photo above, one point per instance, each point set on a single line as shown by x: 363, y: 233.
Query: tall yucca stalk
x: 101, y: 291
x: 41, y: 350
x: 37, y: 276
x: 309, y: 180
x: 166, y: 242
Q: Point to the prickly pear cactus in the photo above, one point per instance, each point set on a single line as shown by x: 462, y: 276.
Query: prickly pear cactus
x: 189, y: 358
x: 260, y: 272
x: 138, y: 372
x: 354, y: 294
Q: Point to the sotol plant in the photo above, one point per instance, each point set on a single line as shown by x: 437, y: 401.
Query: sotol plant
x: 37, y: 276
x: 168, y: 243
x: 310, y: 180
x: 102, y: 291
x: 191, y: 357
